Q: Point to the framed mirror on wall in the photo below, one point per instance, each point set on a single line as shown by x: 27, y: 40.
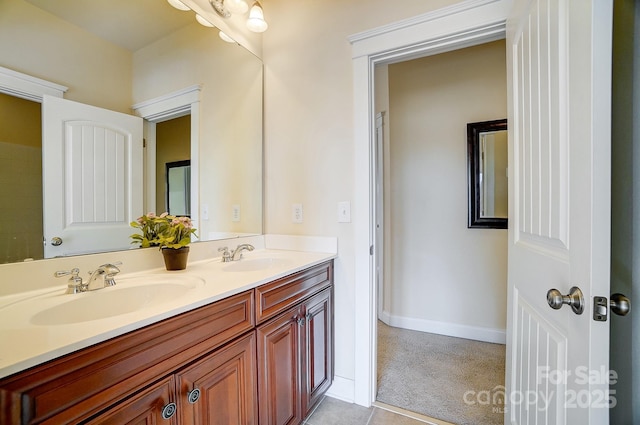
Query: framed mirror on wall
x: 487, y: 162
x: 178, y: 186
x: 163, y: 53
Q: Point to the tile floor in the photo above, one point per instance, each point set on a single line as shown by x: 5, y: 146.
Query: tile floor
x: 331, y: 411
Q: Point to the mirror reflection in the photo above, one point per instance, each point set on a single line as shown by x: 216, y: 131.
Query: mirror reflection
x: 487, y: 174
x: 178, y: 176
x: 117, y: 65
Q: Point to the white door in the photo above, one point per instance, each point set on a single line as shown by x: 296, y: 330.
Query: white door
x: 92, y: 177
x: 559, y: 60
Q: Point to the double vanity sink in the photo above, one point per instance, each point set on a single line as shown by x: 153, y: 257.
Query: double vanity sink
x: 48, y: 323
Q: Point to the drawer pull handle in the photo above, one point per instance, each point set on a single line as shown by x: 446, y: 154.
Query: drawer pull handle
x: 193, y: 395
x: 168, y: 411
x: 301, y: 321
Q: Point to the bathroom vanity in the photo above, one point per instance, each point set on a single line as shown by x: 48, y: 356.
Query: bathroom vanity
x: 261, y: 353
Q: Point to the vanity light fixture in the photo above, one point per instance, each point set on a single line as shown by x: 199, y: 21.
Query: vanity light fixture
x: 256, y: 22
x: 178, y: 5
x: 225, y: 8
x: 226, y: 38
x: 203, y: 21
x: 239, y: 7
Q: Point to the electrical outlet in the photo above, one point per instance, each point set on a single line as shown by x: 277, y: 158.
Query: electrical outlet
x: 296, y: 211
x: 344, y: 212
x: 235, y: 213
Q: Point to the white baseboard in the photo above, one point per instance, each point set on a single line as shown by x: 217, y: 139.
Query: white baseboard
x: 496, y: 336
x: 342, y: 389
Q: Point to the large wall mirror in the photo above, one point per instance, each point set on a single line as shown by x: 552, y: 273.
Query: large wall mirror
x: 115, y: 54
x: 487, y: 174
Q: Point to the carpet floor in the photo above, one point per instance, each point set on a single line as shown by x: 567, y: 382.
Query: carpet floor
x: 453, y: 379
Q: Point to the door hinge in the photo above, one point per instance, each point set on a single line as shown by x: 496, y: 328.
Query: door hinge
x: 371, y: 250
x: 144, y: 143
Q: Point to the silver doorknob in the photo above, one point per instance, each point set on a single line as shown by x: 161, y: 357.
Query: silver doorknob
x: 575, y: 299
x: 56, y: 241
x: 620, y: 304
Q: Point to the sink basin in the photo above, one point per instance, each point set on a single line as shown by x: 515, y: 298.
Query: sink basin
x: 116, y: 300
x: 254, y: 264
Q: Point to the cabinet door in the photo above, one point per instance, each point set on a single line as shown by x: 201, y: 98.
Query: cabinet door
x: 279, y: 384
x: 221, y: 388
x: 154, y: 405
x: 318, y: 348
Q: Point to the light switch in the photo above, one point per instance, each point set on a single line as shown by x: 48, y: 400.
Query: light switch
x: 296, y: 211
x: 344, y: 212
x: 235, y: 213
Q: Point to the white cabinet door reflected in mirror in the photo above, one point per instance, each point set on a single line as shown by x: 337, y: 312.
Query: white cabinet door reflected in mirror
x: 487, y: 174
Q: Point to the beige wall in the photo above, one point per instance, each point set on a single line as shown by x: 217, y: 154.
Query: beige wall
x: 230, y: 120
x: 309, y: 140
x: 37, y: 43
x: 173, y: 143
x: 434, y: 256
x: 20, y: 180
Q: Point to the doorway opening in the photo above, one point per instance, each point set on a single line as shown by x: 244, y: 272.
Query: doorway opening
x: 424, y: 344
x: 173, y: 166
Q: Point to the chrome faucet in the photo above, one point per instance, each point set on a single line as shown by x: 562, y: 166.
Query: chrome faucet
x: 236, y: 254
x: 102, y: 277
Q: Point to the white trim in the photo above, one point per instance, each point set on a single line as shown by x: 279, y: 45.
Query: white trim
x: 342, y: 389
x: 27, y: 87
x: 419, y: 19
x: 168, y: 106
x: 496, y: 336
x: 163, y: 108
x: 468, y: 23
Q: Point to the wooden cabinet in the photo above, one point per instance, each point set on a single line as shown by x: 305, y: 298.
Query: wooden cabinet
x: 221, y: 388
x: 295, y: 349
x: 317, y: 345
x: 81, y: 385
x: 200, y: 367
x: 279, y: 374
x: 149, y: 407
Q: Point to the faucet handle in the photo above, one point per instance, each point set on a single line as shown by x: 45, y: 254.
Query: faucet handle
x: 226, y: 255
x: 75, y: 284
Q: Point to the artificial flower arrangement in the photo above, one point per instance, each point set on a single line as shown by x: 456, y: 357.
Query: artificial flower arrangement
x: 164, y: 231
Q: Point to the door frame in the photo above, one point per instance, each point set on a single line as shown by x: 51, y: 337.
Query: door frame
x: 169, y: 106
x: 461, y: 25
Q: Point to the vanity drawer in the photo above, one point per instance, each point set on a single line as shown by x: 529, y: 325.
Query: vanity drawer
x: 277, y: 296
x: 81, y: 384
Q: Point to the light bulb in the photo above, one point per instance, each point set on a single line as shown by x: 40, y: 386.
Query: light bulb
x: 237, y: 6
x: 178, y: 5
x: 256, y: 22
x: 203, y: 21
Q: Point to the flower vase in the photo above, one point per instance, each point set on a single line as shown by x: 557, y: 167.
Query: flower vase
x: 175, y: 259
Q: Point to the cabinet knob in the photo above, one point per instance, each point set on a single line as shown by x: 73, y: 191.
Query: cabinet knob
x: 193, y: 395
x: 168, y: 410
x: 309, y: 316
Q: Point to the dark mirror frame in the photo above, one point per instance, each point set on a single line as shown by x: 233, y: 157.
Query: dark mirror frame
x: 473, y: 174
x: 169, y: 166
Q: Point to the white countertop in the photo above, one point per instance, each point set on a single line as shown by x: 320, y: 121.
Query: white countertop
x: 25, y: 344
